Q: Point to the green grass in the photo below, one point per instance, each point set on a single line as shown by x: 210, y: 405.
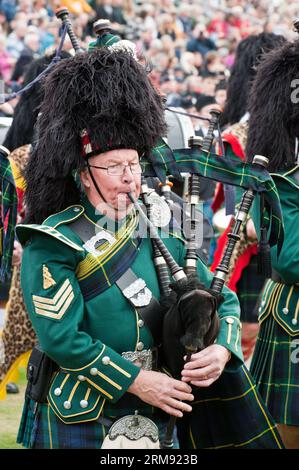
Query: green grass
x: 10, y: 415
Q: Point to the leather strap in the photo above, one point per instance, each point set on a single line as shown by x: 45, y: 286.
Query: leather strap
x: 152, y: 314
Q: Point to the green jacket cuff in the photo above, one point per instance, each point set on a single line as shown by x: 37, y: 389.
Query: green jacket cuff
x: 229, y: 336
x: 109, y: 373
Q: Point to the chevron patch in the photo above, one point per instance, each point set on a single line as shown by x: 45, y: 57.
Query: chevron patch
x: 54, y: 307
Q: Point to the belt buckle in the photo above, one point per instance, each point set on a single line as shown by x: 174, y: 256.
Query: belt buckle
x: 144, y: 358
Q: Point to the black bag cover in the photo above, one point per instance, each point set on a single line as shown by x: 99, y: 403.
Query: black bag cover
x: 191, y: 324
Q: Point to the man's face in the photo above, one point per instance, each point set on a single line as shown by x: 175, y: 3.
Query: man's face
x: 208, y: 86
x: 114, y: 188
x: 220, y: 97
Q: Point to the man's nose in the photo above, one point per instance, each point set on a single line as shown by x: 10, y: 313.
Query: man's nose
x: 127, y: 173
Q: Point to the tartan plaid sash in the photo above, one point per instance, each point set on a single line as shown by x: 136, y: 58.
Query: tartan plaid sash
x: 8, y: 217
x: 231, y: 171
x: 95, y: 275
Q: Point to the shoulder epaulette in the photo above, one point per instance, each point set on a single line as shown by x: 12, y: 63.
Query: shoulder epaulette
x: 66, y: 216
x: 49, y: 226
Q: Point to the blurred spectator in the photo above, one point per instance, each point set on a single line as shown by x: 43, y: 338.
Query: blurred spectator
x: 218, y: 27
x: 6, y: 61
x: 118, y: 15
x: 208, y: 85
x: 81, y: 26
x: 166, y: 25
x: 221, y: 94
x: 147, y: 15
x: 111, y: 10
x: 212, y: 65
x: 103, y: 9
x: 75, y: 6
x: 4, y: 25
x: 40, y: 11
x: 200, y: 42
x: 179, y: 74
x: 15, y: 40
x: 172, y: 89
x: 9, y: 8
x: 28, y: 54
x: 204, y: 104
x: 185, y: 18
x: 193, y: 87
x: 49, y: 33
x: 188, y: 64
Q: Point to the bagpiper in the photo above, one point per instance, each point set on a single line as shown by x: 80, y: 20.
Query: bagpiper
x: 273, y: 131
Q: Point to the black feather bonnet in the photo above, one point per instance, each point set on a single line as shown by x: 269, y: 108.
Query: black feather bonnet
x: 106, y: 95
x: 274, y: 108
x: 248, y: 56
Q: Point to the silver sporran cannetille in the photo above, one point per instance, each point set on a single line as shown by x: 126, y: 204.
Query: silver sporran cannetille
x: 132, y: 432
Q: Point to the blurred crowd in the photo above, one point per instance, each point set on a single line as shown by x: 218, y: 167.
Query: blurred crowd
x: 190, y: 45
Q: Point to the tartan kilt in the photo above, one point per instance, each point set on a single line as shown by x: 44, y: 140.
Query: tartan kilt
x: 45, y: 430
x: 248, y: 291
x: 229, y: 414
x: 275, y: 368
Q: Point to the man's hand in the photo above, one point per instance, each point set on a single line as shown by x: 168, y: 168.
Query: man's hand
x: 206, y: 366
x: 163, y: 392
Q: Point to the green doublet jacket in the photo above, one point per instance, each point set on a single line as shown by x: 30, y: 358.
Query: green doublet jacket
x: 85, y: 328
x: 281, y: 299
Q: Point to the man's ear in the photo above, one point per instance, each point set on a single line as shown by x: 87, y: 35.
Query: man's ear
x: 84, y: 177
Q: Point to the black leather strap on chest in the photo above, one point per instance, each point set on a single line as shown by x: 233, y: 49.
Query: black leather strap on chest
x: 151, y: 314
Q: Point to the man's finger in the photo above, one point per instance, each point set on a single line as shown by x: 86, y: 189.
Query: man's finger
x: 172, y: 411
x: 183, y: 396
x: 182, y: 387
x: 200, y: 374
x: 179, y: 405
x: 198, y: 362
x: 203, y: 383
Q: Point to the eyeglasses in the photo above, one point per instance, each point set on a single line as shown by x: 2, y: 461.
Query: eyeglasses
x: 118, y: 170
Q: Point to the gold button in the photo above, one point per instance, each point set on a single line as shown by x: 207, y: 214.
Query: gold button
x: 67, y: 405
x: 106, y: 360
x: 81, y: 378
x: 294, y: 321
x: 93, y: 371
x: 140, y: 323
x: 230, y: 320
x: 140, y: 346
x: 83, y: 403
x: 57, y: 392
x: 285, y: 310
